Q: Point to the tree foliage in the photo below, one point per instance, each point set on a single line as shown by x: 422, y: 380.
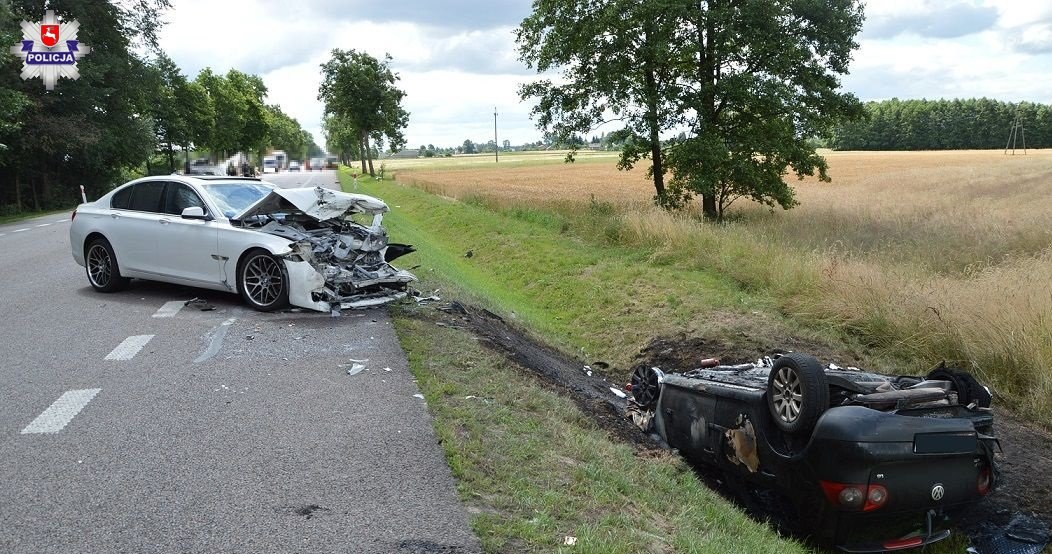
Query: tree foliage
x: 752, y: 82
x: 945, y: 125
x: 361, y: 92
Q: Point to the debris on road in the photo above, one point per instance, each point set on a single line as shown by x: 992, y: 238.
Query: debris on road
x: 569, y: 541
x: 418, y: 395
x: 620, y: 393
x: 200, y: 304
x: 355, y: 369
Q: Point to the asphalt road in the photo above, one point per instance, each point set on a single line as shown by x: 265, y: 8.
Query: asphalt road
x: 130, y: 423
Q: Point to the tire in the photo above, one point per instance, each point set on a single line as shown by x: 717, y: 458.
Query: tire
x: 100, y: 264
x: 263, y: 281
x: 646, y: 386
x: 797, y: 393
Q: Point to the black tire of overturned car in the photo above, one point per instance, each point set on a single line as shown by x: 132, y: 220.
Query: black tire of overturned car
x: 646, y: 386
x: 797, y: 393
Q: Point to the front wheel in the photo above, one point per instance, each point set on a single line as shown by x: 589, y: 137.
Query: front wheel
x: 797, y: 393
x: 100, y: 263
x: 263, y: 282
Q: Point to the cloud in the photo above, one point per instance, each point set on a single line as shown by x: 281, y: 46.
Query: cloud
x: 445, y: 14
x: 946, y: 21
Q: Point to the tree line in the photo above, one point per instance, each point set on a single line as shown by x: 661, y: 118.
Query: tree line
x: 974, y: 123
x: 131, y: 112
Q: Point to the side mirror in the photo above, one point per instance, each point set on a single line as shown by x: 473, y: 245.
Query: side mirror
x: 195, y: 212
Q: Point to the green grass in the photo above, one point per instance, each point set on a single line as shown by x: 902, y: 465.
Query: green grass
x: 529, y: 465
x: 22, y: 216
x: 532, y: 469
x: 595, y: 300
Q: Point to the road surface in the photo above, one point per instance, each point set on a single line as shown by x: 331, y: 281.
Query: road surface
x: 132, y: 423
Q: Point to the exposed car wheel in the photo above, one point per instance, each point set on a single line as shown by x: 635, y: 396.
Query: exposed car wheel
x: 646, y: 386
x: 797, y: 392
x: 101, y: 266
x: 262, y: 281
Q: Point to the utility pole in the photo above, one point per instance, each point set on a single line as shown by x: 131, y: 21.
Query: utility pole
x: 496, y: 145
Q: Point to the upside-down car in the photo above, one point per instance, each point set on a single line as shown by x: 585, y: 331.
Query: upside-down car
x: 868, y: 462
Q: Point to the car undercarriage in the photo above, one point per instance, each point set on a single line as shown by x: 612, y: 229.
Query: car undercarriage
x: 867, y: 462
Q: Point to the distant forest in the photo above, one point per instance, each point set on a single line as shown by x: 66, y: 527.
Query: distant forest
x: 944, y: 125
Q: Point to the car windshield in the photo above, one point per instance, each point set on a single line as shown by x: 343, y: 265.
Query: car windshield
x: 234, y: 198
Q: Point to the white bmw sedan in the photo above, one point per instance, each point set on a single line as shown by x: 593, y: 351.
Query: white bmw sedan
x: 272, y: 246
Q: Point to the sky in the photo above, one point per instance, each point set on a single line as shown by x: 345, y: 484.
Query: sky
x: 458, y: 62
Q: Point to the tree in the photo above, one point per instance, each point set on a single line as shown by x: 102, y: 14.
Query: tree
x: 287, y: 134
x: 182, y: 111
x: 361, y: 92
x: 469, y: 147
x: 752, y: 82
x: 617, y: 58
x: 240, y: 118
x: 341, y: 138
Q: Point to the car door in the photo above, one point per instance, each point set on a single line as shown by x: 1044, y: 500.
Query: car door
x: 133, y: 229
x: 187, y: 246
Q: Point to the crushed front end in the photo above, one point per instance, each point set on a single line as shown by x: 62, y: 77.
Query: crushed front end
x: 335, y: 262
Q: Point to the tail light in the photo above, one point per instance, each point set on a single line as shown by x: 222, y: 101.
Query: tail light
x: 903, y: 543
x: 855, y: 497
x: 74, y: 216
x: 985, y: 481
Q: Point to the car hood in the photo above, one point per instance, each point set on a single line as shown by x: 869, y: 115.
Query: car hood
x: 319, y: 203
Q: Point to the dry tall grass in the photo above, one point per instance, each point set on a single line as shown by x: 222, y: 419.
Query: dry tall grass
x: 934, y: 255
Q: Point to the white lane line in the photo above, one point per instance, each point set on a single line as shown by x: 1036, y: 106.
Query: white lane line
x: 43, y: 225
x: 60, y: 221
x: 61, y: 411
x: 2, y: 234
x: 170, y: 308
x: 129, y: 348
x: 218, y: 334
x: 20, y: 230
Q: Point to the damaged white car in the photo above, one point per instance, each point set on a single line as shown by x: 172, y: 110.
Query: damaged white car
x: 313, y: 248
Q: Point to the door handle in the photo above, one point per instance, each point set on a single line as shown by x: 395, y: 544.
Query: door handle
x: 115, y: 216
x: 164, y: 221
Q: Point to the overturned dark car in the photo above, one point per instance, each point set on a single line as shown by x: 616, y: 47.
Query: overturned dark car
x: 865, y: 462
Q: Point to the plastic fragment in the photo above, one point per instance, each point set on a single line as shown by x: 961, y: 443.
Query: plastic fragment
x: 569, y: 541
x: 355, y: 369
x: 620, y: 393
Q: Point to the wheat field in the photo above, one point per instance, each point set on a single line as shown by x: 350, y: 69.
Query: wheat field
x: 935, y: 255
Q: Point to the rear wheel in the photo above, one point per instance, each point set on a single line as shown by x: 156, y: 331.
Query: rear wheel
x: 646, y: 386
x: 100, y: 263
x: 263, y: 281
x: 797, y: 392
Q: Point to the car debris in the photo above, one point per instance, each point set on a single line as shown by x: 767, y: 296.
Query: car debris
x: 1024, y: 534
x: 869, y: 462
x: 355, y: 369
x: 200, y: 304
x: 342, y: 264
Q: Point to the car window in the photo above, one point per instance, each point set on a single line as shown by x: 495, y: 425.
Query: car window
x: 121, y: 199
x: 146, y: 197
x: 234, y: 198
x: 179, y: 197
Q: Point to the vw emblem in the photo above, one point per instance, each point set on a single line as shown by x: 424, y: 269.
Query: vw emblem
x: 937, y: 491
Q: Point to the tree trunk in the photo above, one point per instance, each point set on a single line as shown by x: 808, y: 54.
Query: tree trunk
x: 369, y: 156
x: 171, y: 158
x: 36, y: 199
x: 652, y: 121
x: 708, y: 206
x: 361, y: 150
x: 18, y: 192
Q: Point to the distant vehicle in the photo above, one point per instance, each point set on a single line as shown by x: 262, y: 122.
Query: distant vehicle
x: 317, y: 164
x: 331, y: 162
x: 281, y: 158
x: 270, y: 164
x: 200, y: 162
x: 294, y: 165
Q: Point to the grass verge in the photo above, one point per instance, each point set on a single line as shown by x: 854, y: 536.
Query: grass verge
x: 532, y: 469
x: 15, y: 218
